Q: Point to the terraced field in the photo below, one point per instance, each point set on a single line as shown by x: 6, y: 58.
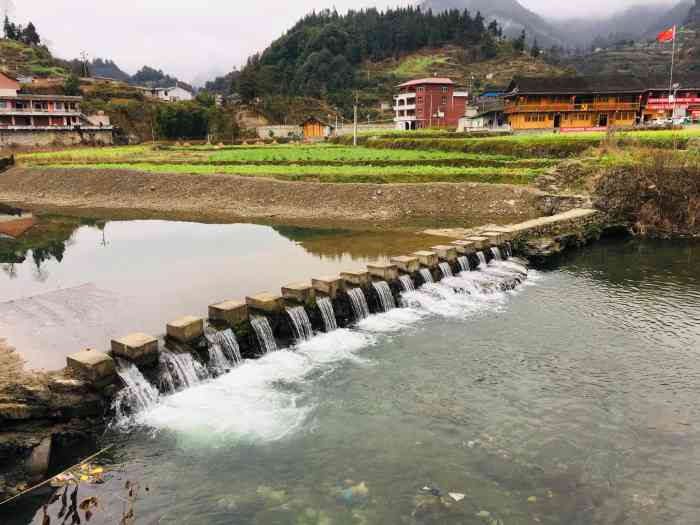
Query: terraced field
x: 321, y: 163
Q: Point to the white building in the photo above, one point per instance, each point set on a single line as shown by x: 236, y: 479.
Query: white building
x: 168, y: 94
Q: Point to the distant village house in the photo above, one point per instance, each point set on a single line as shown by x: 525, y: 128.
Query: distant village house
x: 429, y: 103
x: 167, y: 94
x: 33, y: 120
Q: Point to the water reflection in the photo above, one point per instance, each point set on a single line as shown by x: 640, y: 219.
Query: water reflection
x: 71, y: 283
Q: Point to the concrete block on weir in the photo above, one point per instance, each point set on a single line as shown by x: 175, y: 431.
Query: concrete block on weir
x: 186, y: 329
x: 229, y: 312
x: 479, y: 242
x: 406, y: 263
x: 505, y: 232
x: 464, y: 247
x: 494, y: 238
x: 446, y: 252
x: 329, y: 285
x: 265, y: 302
x: 358, y: 278
x: 427, y: 258
x: 299, y: 292
x: 384, y: 271
x: 96, y: 367
x: 139, y: 348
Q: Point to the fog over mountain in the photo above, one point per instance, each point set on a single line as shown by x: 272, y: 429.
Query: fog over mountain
x: 578, y: 24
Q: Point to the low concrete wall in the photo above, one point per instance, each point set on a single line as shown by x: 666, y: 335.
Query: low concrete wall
x: 47, y: 137
x: 364, y: 128
x: 279, y: 132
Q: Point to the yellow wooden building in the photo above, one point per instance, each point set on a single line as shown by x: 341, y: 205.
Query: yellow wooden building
x: 314, y: 128
x: 573, y: 103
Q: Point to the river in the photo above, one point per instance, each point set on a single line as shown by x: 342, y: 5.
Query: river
x: 572, y: 400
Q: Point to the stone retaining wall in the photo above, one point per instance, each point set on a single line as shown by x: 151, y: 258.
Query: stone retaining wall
x: 20, y: 138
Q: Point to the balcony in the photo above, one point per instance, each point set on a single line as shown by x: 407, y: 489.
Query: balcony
x: 405, y: 107
x: 592, y: 106
x: 39, y: 111
x: 404, y: 96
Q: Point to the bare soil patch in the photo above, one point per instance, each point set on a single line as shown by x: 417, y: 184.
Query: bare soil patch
x: 233, y: 197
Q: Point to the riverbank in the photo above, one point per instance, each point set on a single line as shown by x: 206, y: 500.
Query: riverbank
x: 232, y: 197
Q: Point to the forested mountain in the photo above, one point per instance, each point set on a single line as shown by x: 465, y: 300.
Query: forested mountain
x: 319, y: 56
x: 512, y: 16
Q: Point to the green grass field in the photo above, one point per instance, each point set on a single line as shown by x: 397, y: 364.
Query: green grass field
x: 340, y: 174
x: 516, y: 159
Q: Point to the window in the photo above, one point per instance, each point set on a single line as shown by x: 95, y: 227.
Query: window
x: 3, y: 104
x: 420, y: 100
x: 445, y: 89
x: 420, y: 89
x: 444, y: 100
x: 58, y: 106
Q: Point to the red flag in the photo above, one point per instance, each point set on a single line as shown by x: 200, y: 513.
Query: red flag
x: 667, y: 36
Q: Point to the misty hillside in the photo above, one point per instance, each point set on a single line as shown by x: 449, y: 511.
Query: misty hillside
x: 634, y: 23
x: 512, y: 16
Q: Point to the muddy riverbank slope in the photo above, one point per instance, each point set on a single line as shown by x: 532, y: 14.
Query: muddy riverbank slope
x: 233, y: 197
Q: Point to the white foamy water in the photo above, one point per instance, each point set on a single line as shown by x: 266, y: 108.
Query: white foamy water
x: 265, y: 399
x: 251, y: 403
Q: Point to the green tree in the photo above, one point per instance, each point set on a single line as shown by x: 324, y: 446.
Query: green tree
x: 519, y: 43
x: 10, y: 29
x: 535, y: 50
x: 30, y: 36
x: 71, y: 86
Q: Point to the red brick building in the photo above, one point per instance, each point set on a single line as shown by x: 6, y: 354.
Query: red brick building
x: 429, y: 103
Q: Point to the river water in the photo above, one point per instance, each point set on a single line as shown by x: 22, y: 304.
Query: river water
x: 573, y: 400
x: 71, y: 284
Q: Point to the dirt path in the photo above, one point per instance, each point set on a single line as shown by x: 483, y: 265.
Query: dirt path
x: 234, y: 197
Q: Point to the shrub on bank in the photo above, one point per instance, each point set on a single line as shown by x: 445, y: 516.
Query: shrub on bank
x: 657, y: 191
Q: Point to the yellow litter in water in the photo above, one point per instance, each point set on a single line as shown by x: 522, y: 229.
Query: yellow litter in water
x: 84, y: 478
x: 532, y: 499
x: 97, y: 470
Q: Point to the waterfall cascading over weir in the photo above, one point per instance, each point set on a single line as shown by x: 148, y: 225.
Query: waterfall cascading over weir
x: 482, y: 258
x: 446, y: 270
x: 407, y: 283
x: 138, y: 395
x: 426, y: 275
x: 224, y: 351
x: 303, y: 330
x: 463, y: 261
x: 358, y: 303
x: 180, y: 370
x: 325, y: 305
x: 264, y: 334
x: 386, y: 298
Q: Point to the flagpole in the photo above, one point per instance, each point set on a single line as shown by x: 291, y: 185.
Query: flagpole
x: 673, y: 56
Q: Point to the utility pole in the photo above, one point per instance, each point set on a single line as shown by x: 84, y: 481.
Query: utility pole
x: 84, y: 58
x: 354, y: 133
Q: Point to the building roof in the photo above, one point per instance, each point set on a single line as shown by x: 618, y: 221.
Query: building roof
x: 576, y: 85
x: 8, y: 82
x: 591, y: 85
x: 431, y: 80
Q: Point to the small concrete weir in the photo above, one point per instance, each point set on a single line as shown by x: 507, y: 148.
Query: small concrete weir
x: 191, y: 352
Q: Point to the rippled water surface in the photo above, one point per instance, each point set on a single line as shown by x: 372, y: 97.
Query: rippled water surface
x: 570, y: 401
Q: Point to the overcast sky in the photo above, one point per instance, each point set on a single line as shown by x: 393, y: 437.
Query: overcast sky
x: 198, y: 39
